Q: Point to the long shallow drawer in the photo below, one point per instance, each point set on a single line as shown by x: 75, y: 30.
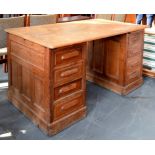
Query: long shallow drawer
x: 68, y: 105
x: 68, y: 74
x: 68, y: 55
x: 133, y: 64
x: 135, y: 75
x: 134, y: 68
x: 135, y: 43
x: 67, y: 89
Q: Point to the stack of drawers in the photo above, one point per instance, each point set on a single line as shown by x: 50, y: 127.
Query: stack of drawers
x: 134, y: 57
x: 69, y: 81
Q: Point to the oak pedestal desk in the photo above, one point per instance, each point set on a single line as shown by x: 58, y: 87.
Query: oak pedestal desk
x: 48, y: 66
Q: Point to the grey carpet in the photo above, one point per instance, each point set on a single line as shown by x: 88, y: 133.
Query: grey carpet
x: 109, y: 116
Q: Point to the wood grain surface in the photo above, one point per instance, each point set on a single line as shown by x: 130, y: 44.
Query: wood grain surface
x: 64, y: 34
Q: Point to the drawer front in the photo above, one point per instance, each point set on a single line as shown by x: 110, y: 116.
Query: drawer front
x: 132, y: 76
x: 134, y: 64
x: 68, y: 74
x: 68, y: 55
x: 68, y: 105
x: 135, y: 43
x: 67, y: 89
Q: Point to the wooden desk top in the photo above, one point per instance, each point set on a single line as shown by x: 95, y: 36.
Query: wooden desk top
x: 64, y: 34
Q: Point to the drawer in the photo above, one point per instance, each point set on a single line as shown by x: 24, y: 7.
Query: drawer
x: 68, y: 105
x: 135, y: 43
x: 68, y: 55
x: 68, y: 74
x: 134, y: 63
x: 67, y: 89
x: 135, y: 75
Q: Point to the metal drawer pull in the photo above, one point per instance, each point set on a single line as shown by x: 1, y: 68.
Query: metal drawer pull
x: 69, y: 72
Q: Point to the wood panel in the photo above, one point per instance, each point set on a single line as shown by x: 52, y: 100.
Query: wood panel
x: 26, y: 80
x: 38, y: 90
x: 39, y: 93
x: 117, y: 62
x: 14, y: 79
x: 27, y: 54
x: 112, y: 60
x: 98, y: 56
x: 26, y: 84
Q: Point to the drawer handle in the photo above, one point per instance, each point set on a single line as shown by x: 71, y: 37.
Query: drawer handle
x: 68, y: 88
x: 71, y: 104
x: 70, y: 55
x: 69, y: 72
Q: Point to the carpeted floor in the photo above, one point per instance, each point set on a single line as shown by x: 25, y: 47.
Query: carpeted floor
x: 110, y: 116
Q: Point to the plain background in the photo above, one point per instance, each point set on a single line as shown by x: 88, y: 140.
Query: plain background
x: 104, y: 147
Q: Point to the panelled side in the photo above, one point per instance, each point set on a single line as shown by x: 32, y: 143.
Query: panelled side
x: 29, y: 78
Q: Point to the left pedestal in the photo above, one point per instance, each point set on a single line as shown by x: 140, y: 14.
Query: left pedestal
x: 47, y: 85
